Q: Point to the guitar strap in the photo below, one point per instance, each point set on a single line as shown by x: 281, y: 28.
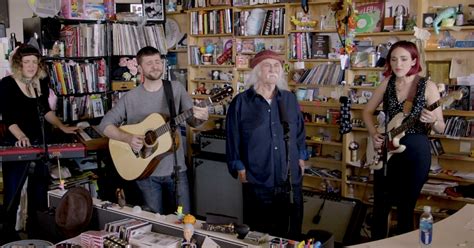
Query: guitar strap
x: 408, y: 105
x: 170, y: 100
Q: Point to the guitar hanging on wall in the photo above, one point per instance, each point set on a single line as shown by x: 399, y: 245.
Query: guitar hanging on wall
x: 158, y: 142
x: 396, y: 130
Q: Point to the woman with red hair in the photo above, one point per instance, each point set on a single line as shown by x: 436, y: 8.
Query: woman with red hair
x: 402, y: 91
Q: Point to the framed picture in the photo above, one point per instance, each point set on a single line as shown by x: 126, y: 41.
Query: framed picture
x: 154, y: 10
x: 136, y: 8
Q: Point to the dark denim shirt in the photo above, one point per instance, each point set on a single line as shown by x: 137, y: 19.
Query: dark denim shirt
x: 255, y: 139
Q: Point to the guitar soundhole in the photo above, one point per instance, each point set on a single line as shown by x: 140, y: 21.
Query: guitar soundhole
x: 150, y: 144
x: 150, y: 138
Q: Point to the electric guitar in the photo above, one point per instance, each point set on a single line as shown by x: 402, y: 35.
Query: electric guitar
x: 396, y: 130
x: 158, y: 142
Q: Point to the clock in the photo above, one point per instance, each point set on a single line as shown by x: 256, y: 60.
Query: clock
x: 428, y: 19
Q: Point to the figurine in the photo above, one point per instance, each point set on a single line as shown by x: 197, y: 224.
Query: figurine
x: 201, y: 90
x: 189, y: 242
x: 120, y: 197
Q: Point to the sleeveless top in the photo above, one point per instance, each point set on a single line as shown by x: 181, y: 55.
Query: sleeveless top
x: 392, y: 107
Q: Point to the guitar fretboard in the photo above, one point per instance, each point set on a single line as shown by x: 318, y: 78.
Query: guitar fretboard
x: 411, y: 121
x: 181, y: 118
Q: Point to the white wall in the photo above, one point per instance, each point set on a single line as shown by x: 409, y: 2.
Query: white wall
x: 19, y: 9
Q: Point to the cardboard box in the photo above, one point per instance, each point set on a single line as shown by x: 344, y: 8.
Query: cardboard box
x: 123, y: 85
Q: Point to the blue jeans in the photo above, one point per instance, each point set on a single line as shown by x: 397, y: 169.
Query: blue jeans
x: 159, y: 193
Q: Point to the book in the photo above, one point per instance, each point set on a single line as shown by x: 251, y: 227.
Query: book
x: 320, y: 46
x: 155, y: 240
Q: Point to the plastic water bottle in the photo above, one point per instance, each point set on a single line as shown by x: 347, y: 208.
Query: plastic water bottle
x: 426, y: 227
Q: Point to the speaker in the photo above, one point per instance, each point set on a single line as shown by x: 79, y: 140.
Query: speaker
x: 215, y: 190
x: 343, y: 217
x: 47, y: 29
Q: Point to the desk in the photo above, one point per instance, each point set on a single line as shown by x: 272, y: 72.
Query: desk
x: 162, y: 224
x: 455, y: 231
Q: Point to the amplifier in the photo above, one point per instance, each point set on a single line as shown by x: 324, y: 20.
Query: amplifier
x: 341, y: 216
x: 212, y: 141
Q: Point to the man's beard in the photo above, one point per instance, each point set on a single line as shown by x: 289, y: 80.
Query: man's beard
x: 153, y: 75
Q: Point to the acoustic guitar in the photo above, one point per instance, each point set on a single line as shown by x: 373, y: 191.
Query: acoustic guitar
x: 158, y: 142
x: 396, y: 130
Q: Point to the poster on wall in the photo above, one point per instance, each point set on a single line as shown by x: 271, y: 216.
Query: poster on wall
x: 4, y: 13
x: 154, y: 10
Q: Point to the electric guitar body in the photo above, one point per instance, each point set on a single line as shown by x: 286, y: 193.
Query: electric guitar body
x: 396, y: 130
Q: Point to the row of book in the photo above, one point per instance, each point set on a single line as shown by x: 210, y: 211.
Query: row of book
x: 73, y: 77
x: 458, y: 126
x: 84, y: 40
x: 129, y: 38
x: 74, y: 108
x: 309, y: 46
x: 272, y: 23
x: 211, y: 22
x: 322, y: 74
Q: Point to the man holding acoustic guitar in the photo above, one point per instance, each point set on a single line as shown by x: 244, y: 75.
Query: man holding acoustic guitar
x: 143, y: 149
x: 405, y: 97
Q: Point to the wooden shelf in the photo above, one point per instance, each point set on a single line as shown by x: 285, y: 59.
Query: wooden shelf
x: 313, y: 86
x: 313, y: 60
x: 331, y: 143
x: 439, y: 136
x: 266, y: 6
x: 320, y: 2
x: 323, y: 178
x: 450, y: 178
x: 460, y: 199
x: 319, y: 104
x: 212, y: 66
x: 459, y: 157
x: 363, y: 87
x: 455, y: 28
x: 210, y: 35
x: 217, y: 116
x: 398, y: 33
x: 315, y: 124
x: 455, y: 49
x: 466, y: 113
x: 259, y: 36
x: 312, y: 31
x: 361, y: 129
x: 209, y: 81
x: 324, y: 160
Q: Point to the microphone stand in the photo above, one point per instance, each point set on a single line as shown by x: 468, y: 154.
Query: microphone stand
x: 45, y: 155
x: 173, y: 128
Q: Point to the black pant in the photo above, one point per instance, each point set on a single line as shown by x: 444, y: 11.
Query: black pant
x: 38, y: 182
x: 406, y: 174
x: 269, y: 210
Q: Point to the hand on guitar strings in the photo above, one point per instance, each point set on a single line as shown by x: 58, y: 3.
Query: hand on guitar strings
x: 136, y: 142
x: 377, y: 140
x: 427, y: 116
x: 201, y: 113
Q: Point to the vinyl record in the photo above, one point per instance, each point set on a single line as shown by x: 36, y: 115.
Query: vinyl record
x: 172, y: 32
x: 364, y: 23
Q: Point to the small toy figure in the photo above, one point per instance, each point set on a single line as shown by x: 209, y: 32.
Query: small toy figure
x: 201, y: 90
x: 353, y: 147
x: 179, y: 213
x: 188, y: 231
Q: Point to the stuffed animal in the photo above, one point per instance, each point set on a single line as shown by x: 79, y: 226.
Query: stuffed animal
x: 445, y: 14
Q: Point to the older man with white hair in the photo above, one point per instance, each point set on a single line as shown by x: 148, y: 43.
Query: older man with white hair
x: 266, y: 149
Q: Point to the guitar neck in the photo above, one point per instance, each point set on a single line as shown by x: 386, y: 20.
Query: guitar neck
x: 411, y: 121
x: 181, y: 118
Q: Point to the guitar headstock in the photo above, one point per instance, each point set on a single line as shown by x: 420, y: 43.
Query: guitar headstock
x: 452, y: 96
x: 221, y: 94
